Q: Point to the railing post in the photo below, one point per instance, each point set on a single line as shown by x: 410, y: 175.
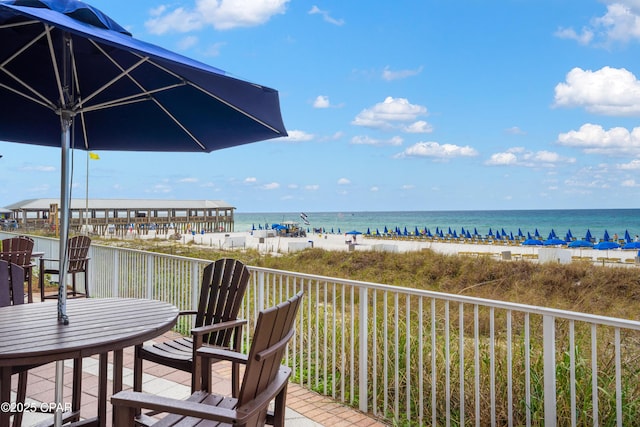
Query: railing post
x: 363, y: 339
x: 549, y: 357
x: 149, y: 293
x: 116, y: 270
x: 260, y: 290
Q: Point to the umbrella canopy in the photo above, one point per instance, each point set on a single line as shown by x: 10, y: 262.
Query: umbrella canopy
x: 554, y: 241
x: 580, y: 244
x: 88, y: 84
x: 627, y: 236
x: 606, y: 237
x: 606, y: 245
x: 632, y: 245
x: 532, y: 242
x: 353, y: 232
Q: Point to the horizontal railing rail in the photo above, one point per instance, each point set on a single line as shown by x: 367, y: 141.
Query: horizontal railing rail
x: 414, y: 356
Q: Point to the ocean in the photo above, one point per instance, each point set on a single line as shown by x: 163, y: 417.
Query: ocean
x: 578, y: 221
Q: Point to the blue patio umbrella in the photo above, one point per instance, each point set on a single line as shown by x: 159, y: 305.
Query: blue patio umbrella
x: 498, y: 237
x: 475, y: 231
x: 416, y: 231
x: 606, y: 237
x: 377, y: 232
x: 449, y: 232
x: 510, y: 235
x: 386, y: 230
x: 353, y: 232
x: 520, y: 233
x: 536, y: 233
x: 65, y: 63
x: 368, y: 231
x: 553, y: 233
x: 569, y: 234
x: 455, y: 235
x: 631, y: 245
x: 627, y: 236
x: 468, y: 235
x: 490, y: 233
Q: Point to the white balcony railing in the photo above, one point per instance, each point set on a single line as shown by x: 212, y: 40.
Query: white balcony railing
x: 418, y: 357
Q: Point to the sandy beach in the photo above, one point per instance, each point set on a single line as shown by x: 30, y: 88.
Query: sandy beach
x: 265, y: 242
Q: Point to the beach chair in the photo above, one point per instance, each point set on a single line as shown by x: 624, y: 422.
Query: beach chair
x: 17, y: 250
x: 78, y: 264
x: 224, y: 283
x: 265, y: 380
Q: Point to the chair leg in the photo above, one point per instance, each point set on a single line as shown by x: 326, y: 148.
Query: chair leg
x: 86, y: 282
x: 137, y: 369
x: 280, y: 408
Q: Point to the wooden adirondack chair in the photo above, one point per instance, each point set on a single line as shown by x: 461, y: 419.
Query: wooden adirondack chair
x: 17, y: 250
x: 264, y: 381
x: 78, y: 263
x: 224, y: 283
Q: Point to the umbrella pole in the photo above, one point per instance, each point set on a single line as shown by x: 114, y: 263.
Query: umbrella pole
x: 65, y: 188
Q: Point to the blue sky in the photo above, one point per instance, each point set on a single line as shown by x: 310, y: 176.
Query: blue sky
x: 408, y: 105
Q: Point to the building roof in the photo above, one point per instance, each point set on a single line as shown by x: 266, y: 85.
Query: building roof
x: 141, y: 204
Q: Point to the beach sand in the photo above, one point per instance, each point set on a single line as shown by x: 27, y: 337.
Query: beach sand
x: 260, y: 241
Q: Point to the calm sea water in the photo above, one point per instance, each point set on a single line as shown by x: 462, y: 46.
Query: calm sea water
x: 614, y: 221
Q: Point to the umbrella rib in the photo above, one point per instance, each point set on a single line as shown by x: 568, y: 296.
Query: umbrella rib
x: 129, y: 99
x: 42, y: 99
x: 55, y: 65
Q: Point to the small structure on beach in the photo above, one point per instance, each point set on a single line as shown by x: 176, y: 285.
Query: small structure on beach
x: 119, y: 216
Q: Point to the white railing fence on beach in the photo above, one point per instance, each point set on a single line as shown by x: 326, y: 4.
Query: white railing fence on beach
x: 413, y: 356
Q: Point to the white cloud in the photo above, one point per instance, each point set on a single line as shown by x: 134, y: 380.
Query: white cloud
x: 326, y: 16
x: 515, y: 130
x: 296, y: 136
x: 312, y: 187
x: 367, y: 140
x: 220, y: 14
x: 187, y: 42
x: 632, y: 165
x: 344, y: 181
x: 584, y: 37
x: 418, y: 127
x: 271, y: 186
x: 321, y: 102
x: 389, y: 75
x: 250, y: 180
x: 620, y: 23
x: 188, y: 180
x: 436, y: 150
x: 609, y: 91
x: 518, y: 156
x: 388, y: 113
x: 594, y: 139
x: 374, y: 189
x: 630, y: 183
x: 214, y: 49
x: 408, y: 187
x: 30, y: 168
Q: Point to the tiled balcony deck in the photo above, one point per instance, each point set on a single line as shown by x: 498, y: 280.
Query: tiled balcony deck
x: 304, y: 408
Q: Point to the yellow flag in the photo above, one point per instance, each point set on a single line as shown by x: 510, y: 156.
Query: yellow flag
x: 93, y: 156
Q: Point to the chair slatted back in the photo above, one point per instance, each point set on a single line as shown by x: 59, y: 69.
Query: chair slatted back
x: 224, y: 283
x: 17, y: 250
x: 78, y: 251
x: 274, y: 329
x: 11, y: 284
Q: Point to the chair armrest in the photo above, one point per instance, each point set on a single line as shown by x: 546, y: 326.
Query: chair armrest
x: 221, y: 354
x: 187, y: 312
x: 202, y: 330
x: 137, y: 400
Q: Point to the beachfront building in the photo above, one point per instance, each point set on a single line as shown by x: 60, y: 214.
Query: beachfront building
x: 119, y: 216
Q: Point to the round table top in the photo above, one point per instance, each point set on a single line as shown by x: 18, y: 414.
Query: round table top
x: 31, y: 333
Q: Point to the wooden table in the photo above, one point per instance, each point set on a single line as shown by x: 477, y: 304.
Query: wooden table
x: 31, y: 334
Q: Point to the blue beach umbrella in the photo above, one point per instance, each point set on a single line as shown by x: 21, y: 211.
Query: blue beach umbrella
x: 606, y: 236
x: 468, y: 235
x: 588, y: 235
x: 569, y: 234
x: 520, y: 233
x: 532, y: 242
x: 580, y: 244
x: 511, y: 236
x: 455, y: 235
x: 490, y: 233
x: 553, y: 241
x: 386, y: 231
x: 368, y: 231
x: 606, y: 245
x: 405, y: 232
x: 353, y: 232
x: 627, y: 236
x: 416, y: 231
x: 377, y: 232
x: 632, y: 245
x: 536, y: 233
x: 475, y: 231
